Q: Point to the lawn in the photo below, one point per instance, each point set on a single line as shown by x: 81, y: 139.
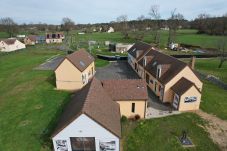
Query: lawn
x: 101, y: 63
x: 210, y: 66
x: 214, y: 100
x: 28, y: 102
x: 162, y: 134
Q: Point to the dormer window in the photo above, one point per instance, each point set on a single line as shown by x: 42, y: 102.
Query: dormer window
x: 154, y: 64
x: 159, y: 71
x: 145, y: 61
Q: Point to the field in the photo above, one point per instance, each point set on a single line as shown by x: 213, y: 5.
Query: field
x: 162, y: 134
x: 28, y: 102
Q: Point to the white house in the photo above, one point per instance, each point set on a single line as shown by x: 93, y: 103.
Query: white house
x: 111, y: 30
x: 121, y: 48
x: 11, y: 44
x: 91, y: 122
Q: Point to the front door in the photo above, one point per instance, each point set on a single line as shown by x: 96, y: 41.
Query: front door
x: 176, y: 101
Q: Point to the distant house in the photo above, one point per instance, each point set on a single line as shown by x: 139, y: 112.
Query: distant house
x: 121, y: 48
x: 90, y: 121
x: 75, y: 71
x: 30, y: 40
x: 40, y: 39
x: 55, y: 37
x: 172, y: 80
x: 130, y: 94
x: 174, y: 46
x: 111, y: 30
x: 11, y: 44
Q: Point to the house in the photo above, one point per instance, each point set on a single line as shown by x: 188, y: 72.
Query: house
x: 30, y: 40
x: 11, y: 44
x: 174, y: 46
x: 40, y: 39
x: 90, y: 121
x: 172, y: 80
x: 55, y: 37
x: 75, y: 71
x: 111, y: 30
x: 130, y: 94
x: 122, y: 48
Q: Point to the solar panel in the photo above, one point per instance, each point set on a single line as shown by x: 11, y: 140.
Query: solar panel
x: 82, y: 63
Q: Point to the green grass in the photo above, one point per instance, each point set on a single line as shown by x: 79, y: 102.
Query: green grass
x: 101, y: 63
x: 4, y: 35
x: 210, y: 66
x: 28, y: 102
x: 162, y: 134
x: 214, y: 100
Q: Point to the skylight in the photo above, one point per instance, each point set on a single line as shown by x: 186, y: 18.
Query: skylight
x: 82, y: 63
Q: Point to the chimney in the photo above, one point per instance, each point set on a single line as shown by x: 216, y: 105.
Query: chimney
x: 192, y: 62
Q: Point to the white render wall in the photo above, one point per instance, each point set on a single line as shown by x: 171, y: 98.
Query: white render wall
x: 8, y: 48
x: 84, y: 126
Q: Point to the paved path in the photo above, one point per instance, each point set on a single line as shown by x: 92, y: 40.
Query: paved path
x: 51, y: 63
x: 217, y: 128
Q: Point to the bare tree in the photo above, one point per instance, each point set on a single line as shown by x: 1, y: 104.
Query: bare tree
x: 9, y: 26
x: 155, y: 14
x: 123, y: 24
x: 174, y: 22
x: 141, y: 18
x: 67, y: 24
x: 222, y: 43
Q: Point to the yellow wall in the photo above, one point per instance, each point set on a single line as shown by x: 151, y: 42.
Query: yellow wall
x: 68, y: 77
x: 188, y: 74
x: 192, y: 105
x: 126, y: 106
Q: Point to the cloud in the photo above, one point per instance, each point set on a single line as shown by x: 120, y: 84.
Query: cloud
x: 92, y: 11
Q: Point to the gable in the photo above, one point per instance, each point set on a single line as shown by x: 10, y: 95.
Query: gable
x: 84, y: 126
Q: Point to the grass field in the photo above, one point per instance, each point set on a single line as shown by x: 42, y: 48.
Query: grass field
x: 162, y: 134
x: 28, y: 101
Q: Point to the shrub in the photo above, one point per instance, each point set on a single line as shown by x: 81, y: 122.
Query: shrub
x: 137, y: 117
x: 124, y: 119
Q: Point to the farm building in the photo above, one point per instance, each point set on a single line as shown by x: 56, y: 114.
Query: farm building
x: 55, y: 37
x: 75, y: 71
x: 30, y: 40
x: 11, y: 44
x: 172, y: 80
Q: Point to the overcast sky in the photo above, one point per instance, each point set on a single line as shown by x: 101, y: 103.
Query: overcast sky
x: 96, y: 11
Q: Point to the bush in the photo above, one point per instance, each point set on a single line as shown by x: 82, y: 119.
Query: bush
x: 124, y: 119
x: 137, y: 117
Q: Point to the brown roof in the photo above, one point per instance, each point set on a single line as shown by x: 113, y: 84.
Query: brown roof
x: 32, y: 37
x: 127, y: 89
x: 170, y: 65
x: 182, y: 86
x: 93, y: 101
x: 141, y: 48
x: 81, y: 59
x: 9, y: 41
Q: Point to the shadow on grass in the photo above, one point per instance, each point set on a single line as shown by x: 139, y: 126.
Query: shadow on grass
x: 52, y: 80
x: 45, y: 136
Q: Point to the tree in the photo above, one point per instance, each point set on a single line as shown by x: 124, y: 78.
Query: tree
x: 67, y: 24
x: 222, y: 48
x: 154, y: 13
x: 174, y: 22
x: 123, y: 25
x: 9, y: 26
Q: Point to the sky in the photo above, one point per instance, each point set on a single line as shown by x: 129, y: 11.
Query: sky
x: 100, y: 11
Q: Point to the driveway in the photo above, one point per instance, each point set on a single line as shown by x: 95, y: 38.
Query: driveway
x: 122, y: 70
x: 51, y: 63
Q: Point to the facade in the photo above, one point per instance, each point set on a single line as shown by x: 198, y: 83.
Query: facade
x: 166, y: 77
x: 111, y: 30
x: 54, y: 37
x: 30, y: 40
x: 131, y: 95
x: 75, y: 71
x: 11, y: 44
x: 40, y: 39
x: 122, y: 48
x: 91, y: 121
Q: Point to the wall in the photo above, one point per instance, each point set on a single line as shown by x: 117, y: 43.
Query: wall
x: 83, y: 126
x: 188, y: 74
x: 126, y: 106
x: 28, y: 42
x: 16, y: 46
x: 192, y: 105
x: 48, y: 41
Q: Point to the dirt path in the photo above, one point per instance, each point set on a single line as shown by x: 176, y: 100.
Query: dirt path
x: 217, y: 129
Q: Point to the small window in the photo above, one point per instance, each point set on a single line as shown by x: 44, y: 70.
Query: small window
x: 133, y: 107
x: 151, y: 81
x: 147, y: 78
x: 160, y: 88
x: 190, y: 99
x: 83, y: 143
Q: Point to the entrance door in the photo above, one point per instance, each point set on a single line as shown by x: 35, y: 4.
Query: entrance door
x: 176, y: 101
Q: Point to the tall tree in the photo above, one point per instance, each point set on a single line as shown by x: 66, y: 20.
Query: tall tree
x: 123, y: 25
x: 67, y: 24
x: 9, y: 26
x: 222, y: 46
x: 155, y: 14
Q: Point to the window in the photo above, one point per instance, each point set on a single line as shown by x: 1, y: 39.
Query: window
x: 160, y: 88
x: 151, y: 81
x: 133, y: 107
x: 147, y: 78
x: 159, y: 72
x: 83, y: 143
x: 190, y: 99
x: 155, y: 86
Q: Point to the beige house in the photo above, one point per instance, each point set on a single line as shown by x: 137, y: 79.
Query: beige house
x: 75, y: 71
x: 11, y: 44
x: 30, y: 40
x: 55, y: 37
x: 131, y: 95
x: 172, y: 80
